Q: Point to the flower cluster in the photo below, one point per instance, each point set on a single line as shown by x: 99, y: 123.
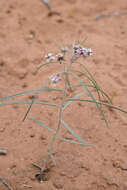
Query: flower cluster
x: 59, y: 57
x: 78, y: 51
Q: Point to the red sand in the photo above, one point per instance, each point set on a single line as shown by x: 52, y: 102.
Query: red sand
x: 104, y: 164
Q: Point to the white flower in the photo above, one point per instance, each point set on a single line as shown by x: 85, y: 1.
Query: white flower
x: 87, y: 52
x: 56, y: 78
x: 49, y: 57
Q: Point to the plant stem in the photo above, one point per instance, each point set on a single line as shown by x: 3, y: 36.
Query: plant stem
x: 58, y: 125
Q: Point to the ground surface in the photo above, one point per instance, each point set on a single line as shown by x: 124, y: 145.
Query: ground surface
x: 27, y: 32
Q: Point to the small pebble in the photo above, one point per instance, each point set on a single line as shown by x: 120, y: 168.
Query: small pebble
x: 31, y: 35
x: 3, y: 152
x: 58, y: 183
x: 62, y: 173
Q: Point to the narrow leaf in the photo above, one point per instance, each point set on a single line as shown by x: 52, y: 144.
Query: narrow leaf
x: 29, y: 92
x: 42, y: 124
x: 59, y: 138
x: 71, y: 141
x: 102, y: 103
x: 74, y: 134
x: 19, y: 94
x: 95, y: 82
x: 69, y: 102
x: 92, y: 97
x: 35, y: 96
x: 90, y: 79
x: 28, y: 102
x: 29, y: 108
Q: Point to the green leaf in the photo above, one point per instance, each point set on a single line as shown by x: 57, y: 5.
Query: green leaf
x: 92, y: 97
x: 102, y: 103
x: 28, y: 102
x: 90, y: 79
x: 42, y: 124
x: 69, y: 102
x: 74, y: 134
x: 71, y: 141
x: 95, y: 82
x: 30, y: 92
x: 34, y: 98
x: 60, y: 138
x: 19, y: 94
x: 95, y: 85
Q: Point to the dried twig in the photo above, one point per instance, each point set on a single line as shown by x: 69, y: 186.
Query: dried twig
x: 28, y: 186
x: 36, y: 165
x: 4, y: 183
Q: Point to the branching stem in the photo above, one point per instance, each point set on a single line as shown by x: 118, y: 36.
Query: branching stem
x: 59, y: 122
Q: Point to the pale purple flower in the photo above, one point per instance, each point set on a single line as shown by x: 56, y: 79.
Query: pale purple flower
x: 78, y: 51
x: 56, y: 78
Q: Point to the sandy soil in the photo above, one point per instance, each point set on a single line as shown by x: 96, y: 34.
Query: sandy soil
x: 27, y: 33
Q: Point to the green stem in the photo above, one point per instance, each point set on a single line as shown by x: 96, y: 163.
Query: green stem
x: 58, y: 125
x: 67, y: 77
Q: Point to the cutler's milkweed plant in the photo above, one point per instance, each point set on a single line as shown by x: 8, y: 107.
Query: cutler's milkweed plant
x: 66, y: 62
